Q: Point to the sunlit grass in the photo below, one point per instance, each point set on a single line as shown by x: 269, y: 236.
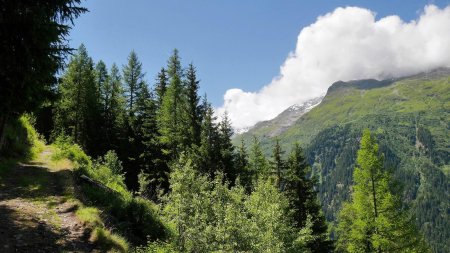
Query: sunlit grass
x: 109, y: 242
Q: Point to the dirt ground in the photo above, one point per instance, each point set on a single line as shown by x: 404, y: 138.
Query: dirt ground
x: 37, y: 209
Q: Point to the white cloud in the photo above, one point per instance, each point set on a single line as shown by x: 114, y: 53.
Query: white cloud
x: 347, y: 44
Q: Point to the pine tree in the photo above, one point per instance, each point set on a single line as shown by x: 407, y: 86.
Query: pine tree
x: 299, y: 189
x: 193, y: 108
x: 160, y: 87
x: 227, y: 157
x: 172, y: 117
x: 33, y: 45
x: 242, y: 167
x: 278, y: 164
x: 104, y: 92
x: 77, y: 108
x: 114, y: 108
x: 374, y: 220
x: 209, y: 150
x: 150, y: 155
x: 133, y: 78
x: 258, y: 165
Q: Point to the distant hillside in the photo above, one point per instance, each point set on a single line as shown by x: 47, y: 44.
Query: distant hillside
x: 284, y: 120
x: 411, y: 117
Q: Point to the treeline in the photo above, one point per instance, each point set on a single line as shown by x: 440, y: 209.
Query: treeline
x: 157, y: 128
x: 148, y: 127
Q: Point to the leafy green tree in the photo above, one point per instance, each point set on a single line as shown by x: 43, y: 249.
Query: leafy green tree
x: 299, y: 189
x: 33, y: 46
x: 374, y: 220
x: 77, y: 108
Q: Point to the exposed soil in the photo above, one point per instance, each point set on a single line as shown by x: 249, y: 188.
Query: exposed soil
x: 37, y: 209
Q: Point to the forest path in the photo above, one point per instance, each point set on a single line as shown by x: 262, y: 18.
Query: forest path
x: 37, y: 208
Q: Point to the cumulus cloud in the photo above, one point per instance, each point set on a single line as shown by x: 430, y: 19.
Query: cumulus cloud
x: 346, y: 44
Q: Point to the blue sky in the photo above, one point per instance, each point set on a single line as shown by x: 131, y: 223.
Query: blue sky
x: 233, y: 44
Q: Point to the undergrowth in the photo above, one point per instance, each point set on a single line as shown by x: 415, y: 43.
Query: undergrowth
x: 134, y: 217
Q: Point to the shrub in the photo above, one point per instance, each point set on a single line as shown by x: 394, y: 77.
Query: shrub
x: 21, y: 139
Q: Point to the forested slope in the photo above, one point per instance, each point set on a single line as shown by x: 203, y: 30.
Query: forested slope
x: 411, y: 119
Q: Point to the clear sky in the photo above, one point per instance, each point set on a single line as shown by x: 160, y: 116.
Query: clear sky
x: 233, y: 44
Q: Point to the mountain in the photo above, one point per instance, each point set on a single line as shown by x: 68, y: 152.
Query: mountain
x: 283, y: 121
x: 411, y: 117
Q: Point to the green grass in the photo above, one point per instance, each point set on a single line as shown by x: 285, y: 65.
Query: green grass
x: 90, y: 216
x: 407, y: 99
x: 109, y: 242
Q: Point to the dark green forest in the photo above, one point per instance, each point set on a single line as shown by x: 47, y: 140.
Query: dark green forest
x: 157, y: 170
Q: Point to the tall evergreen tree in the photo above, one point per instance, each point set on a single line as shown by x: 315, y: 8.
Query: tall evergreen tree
x: 77, y: 108
x: 257, y: 163
x: 33, y: 46
x: 209, y: 150
x: 227, y: 152
x: 242, y: 167
x: 299, y: 189
x: 103, y: 92
x: 193, y: 107
x: 374, y: 220
x: 171, y: 116
x: 160, y: 87
x: 278, y: 164
x: 133, y: 79
x: 114, y: 108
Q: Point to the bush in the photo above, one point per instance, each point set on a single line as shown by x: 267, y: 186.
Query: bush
x: 137, y: 216
x: 21, y: 139
x: 73, y: 152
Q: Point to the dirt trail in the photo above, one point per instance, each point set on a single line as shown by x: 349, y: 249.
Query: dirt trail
x: 37, y: 209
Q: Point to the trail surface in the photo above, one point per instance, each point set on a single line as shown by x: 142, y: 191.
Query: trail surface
x: 37, y: 208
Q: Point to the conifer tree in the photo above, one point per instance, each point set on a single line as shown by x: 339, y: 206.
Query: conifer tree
x: 171, y: 117
x: 278, y: 164
x: 114, y: 108
x: 299, y: 189
x: 103, y: 92
x: 374, y: 220
x: 227, y: 157
x: 193, y: 107
x: 258, y: 164
x: 209, y: 150
x: 242, y: 167
x: 77, y: 108
x: 34, y: 45
x: 160, y: 87
x: 133, y: 78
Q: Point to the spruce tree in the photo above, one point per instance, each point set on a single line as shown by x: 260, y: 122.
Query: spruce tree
x: 114, y: 108
x: 209, y: 150
x: 227, y: 153
x: 78, y: 108
x: 133, y: 78
x: 33, y: 45
x: 104, y: 92
x: 374, y: 219
x: 299, y: 189
x: 160, y: 87
x: 278, y: 164
x: 193, y: 107
x: 172, y: 117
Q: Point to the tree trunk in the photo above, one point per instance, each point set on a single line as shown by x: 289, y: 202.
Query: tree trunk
x: 3, y: 121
